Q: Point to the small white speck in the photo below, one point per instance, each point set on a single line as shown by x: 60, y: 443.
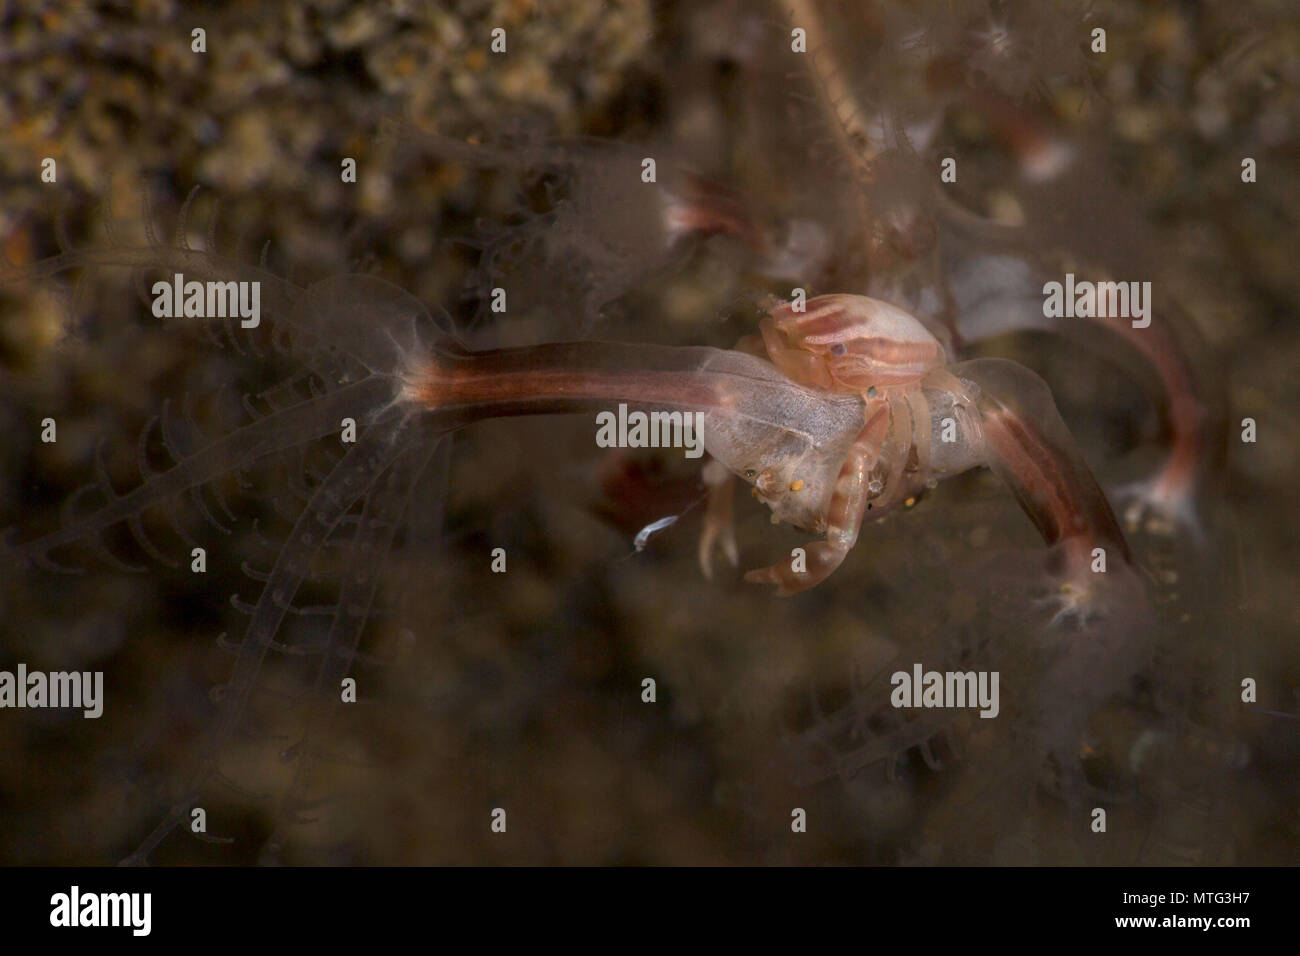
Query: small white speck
x: 654, y: 527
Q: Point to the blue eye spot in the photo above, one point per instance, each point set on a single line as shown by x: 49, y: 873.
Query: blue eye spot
x: 838, y: 349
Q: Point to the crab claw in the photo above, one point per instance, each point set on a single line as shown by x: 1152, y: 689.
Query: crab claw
x: 807, y: 567
x: 779, y: 575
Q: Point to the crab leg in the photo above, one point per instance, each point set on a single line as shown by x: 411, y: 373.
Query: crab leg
x: 852, y: 499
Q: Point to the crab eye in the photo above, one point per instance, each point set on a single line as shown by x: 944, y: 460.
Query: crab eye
x: 750, y: 473
x: 838, y: 348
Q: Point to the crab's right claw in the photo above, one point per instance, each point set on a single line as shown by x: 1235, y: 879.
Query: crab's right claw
x: 806, y: 568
